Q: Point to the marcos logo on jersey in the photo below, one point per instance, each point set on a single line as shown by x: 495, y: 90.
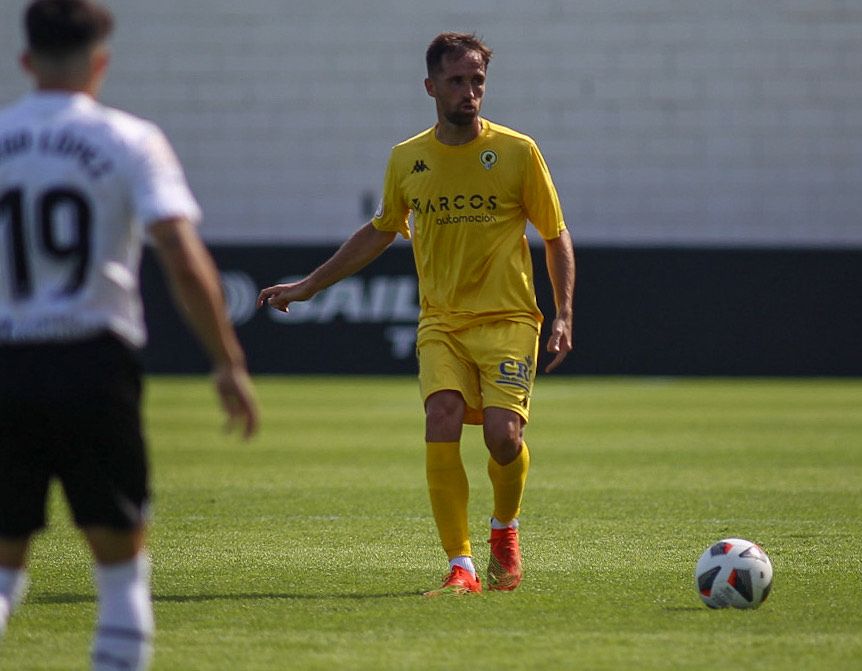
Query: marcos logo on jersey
x: 419, y: 166
x: 460, y: 202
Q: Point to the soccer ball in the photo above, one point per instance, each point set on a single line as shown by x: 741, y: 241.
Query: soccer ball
x: 733, y: 572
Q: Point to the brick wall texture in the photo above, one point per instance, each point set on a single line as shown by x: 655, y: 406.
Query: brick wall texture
x: 664, y: 122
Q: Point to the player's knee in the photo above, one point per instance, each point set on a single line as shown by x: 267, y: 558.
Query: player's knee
x: 444, y: 410
x: 503, y: 443
x: 503, y: 449
x: 503, y: 433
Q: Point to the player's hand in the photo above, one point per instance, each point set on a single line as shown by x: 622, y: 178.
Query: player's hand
x: 282, y: 295
x: 560, y: 342
x: 233, y: 386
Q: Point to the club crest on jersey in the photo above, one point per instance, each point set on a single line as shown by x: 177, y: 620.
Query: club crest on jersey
x: 419, y: 166
x: 488, y: 158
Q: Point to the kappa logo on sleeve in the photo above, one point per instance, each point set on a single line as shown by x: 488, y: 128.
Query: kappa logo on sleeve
x: 419, y: 166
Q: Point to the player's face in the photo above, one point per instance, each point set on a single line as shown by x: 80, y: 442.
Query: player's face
x: 458, y: 87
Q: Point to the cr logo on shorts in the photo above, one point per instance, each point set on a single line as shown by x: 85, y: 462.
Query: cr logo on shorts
x: 516, y: 373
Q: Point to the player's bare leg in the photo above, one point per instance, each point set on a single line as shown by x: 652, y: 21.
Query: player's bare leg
x: 13, y: 552
x: 508, y: 464
x: 125, y: 627
x: 444, y: 417
x: 114, y: 546
x: 504, y: 433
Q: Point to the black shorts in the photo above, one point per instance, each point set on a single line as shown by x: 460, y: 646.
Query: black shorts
x: 71, y: 411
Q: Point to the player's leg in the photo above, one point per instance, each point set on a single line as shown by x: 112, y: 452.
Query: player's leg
x: 508, y: 463
x: 125, y: 628
x: 104, y: 473
x: 448, y: 488
x: 24, y: 469
x: 503, y: 436
x: 444, y: 416
x: 506, y: 354
x: 13, y: 577
x: 13, y: 552
x: 503, y: 430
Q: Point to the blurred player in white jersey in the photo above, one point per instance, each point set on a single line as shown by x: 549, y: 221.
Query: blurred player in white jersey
x: 80, y: 187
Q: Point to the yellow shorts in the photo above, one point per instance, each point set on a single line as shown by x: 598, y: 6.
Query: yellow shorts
x: 492, y: 365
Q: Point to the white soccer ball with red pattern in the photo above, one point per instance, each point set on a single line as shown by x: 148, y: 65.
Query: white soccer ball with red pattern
x: 733, y: 572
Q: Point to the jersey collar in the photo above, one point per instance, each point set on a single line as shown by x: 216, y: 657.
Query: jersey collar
x: 483, y: 132
x: 54, y: 99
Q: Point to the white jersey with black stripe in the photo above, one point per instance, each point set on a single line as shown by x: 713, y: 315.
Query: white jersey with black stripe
x: 79, y: 184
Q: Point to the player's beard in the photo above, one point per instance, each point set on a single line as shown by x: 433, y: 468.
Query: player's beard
x: 460, y: 118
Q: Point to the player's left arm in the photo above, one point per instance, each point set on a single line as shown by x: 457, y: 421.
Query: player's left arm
x: 542, y: 206
x: 194, y: 282
x: 560, y: 258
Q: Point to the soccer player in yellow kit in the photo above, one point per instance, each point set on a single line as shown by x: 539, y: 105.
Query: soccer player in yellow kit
x: 471, y: 185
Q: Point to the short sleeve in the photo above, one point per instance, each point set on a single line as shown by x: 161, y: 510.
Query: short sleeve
x: 540, y: 197
x: 159, y: 187
x: 392, y: 212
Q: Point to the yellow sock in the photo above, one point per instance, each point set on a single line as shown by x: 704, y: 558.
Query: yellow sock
x: 449, y: 492
x: 508, y: 482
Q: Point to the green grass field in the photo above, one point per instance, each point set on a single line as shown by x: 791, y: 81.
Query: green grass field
x: 308, y: 548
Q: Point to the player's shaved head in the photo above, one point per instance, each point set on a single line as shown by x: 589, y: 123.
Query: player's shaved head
x: 58, y: 29
x: 454, y: 45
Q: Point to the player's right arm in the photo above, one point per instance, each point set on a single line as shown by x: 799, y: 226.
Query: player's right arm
x: 360, y: 249
x: 194, y: 283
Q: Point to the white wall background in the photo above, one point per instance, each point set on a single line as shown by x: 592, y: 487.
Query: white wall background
x: 681, y: 122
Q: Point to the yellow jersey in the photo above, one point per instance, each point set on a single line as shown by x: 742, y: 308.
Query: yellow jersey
x: 470, y: 204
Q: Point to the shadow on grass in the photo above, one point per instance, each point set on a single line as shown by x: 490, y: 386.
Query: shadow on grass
x: 67, y: 598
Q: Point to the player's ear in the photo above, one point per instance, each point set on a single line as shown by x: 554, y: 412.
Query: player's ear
x: 26, y: 62
x: 101, y: 60
x: 429, y: 87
